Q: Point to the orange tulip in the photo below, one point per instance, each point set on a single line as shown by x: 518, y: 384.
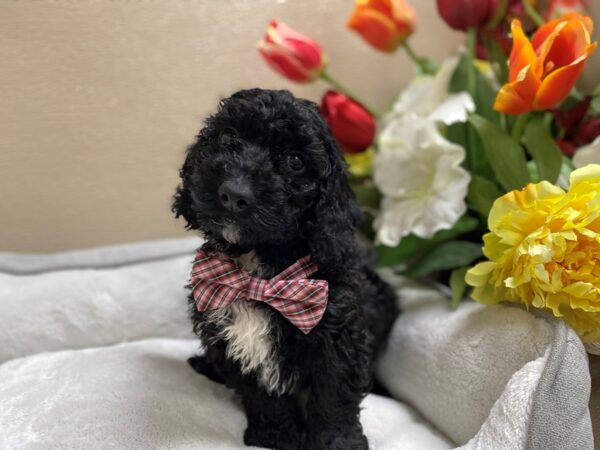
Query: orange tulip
x: 543, y: 71
x: 385, y: 24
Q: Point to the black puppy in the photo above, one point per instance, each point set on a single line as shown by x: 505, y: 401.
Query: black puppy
x: 266, y: 185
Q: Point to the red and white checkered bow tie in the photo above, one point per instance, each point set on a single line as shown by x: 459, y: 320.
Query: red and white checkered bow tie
x: 217, y: 283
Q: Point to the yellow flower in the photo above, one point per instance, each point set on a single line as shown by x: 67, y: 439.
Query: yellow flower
x: 544, y: 250
x: 360, y: 164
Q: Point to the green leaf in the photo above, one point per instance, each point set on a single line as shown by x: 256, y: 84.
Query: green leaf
x: 576, y: 95
x: 366, y: 226
x: 567, y: 167
x: 595, y: 106
x: 393, y: 256
x: 458, y: 286
x: 506, y: 157
x: 534, y: 172
x: 368, y: 196
x: 486, y: 96
x: 478, y: 162
x: 565, y: 173
x: 466, y: 136
x: 448, y: 255
x: 457, y: 133
x: 499, y: 16
x: 543, y: 149
x: 458, y: 82
x: 498, y: 58
x: 485, y: 93
x: 482, y: 194
x: 427, y: 66
x: 412, y: 245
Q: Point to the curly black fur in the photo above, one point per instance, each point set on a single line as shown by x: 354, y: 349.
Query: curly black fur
x: 297, y: 212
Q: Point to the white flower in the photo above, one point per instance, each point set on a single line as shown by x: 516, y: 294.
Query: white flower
x: 416, y: 169
x: 418, y: 172
x: 588, y: 154
x: 428, y: 96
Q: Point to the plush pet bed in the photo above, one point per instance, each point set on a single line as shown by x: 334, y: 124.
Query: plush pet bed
x: 94, y: 346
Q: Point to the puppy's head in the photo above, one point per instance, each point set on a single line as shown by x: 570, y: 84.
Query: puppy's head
x: 266, y: 170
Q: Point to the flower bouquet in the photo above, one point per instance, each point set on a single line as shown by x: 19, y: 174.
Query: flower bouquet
x: 484, y: 175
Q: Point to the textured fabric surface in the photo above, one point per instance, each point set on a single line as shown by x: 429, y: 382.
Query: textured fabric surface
x: 97, y: 258
x: 486, y: 377
x: 80, y: 308
x: 560, y: 417
x: 453, y: 365
x: 506, y: 426
x: 144, y: 395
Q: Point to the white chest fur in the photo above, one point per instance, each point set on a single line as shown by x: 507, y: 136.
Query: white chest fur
x: 247, y: 330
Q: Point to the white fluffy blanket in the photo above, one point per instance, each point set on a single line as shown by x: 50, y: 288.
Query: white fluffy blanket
x: 96, y: 358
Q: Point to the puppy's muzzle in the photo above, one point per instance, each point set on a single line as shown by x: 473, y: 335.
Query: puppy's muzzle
x: 236, y: 196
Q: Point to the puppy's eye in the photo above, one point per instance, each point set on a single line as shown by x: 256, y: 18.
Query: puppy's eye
x: 295, y: 162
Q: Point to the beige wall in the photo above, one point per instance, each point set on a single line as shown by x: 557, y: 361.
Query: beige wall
x: 99, y: 99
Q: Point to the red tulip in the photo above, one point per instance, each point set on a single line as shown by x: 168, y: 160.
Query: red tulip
x: 589, y: 131
x: 514, y: 9
x: 351, y: 124
x: 578, y: 127
x: 497, y: 27
x: 558, y: 8
x: 463, y: 14
x: 292, y: 54
x: 384, y: 24
x: 566, y: 147
x: 570, y: 119
x: 497, y: 34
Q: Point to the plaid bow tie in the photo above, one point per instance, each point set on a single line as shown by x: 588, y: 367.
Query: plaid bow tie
x: 217, y: 283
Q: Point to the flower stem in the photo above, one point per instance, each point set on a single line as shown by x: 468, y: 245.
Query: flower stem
x: 347, y: 92
x: 472, y: 90
x: 519, y: 127
x: 503, y: 122
x: 500, y: 15
x: 533, y: 14
x: 426, y: 66
x: 411, y: 53
x: 471, y: 75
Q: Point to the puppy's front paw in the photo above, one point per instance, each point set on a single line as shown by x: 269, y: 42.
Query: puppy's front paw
x: 272, y: 437
x: 337, y: 440
x: 201, y: 365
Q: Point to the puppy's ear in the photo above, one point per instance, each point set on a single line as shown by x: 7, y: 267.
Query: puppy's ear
x: 336, y: 212
x: 182, y: 202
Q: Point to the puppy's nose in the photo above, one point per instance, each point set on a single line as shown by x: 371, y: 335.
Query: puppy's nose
x: 236, y: 196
